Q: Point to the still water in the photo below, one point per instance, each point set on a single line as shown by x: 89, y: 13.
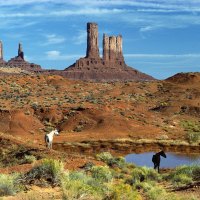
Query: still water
x: 172, y: 160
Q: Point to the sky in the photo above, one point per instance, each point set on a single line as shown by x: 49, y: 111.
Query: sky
x: 160, y: 37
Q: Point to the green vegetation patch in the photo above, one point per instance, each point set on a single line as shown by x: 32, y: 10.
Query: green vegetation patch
x: 192, y: 129
x: 184, y: 175
x: 8, y: 184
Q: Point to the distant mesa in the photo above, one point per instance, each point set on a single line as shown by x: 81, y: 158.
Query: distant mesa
x: 18, y: 61
x: 111, y: 67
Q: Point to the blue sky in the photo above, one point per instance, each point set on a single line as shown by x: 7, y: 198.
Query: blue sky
x: 160, y: 37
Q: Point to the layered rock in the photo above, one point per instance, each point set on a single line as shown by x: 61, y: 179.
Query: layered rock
x: 19, y: 61
x: 111, y: 67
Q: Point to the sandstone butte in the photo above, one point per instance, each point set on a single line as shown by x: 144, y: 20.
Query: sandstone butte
x: 111, y: 67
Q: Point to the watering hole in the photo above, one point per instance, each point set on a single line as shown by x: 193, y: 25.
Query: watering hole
x: 172, y: 160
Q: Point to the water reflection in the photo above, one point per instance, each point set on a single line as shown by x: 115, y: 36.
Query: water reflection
x: 172, y: 160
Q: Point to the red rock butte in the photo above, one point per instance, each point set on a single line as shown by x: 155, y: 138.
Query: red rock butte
x: 18, y: 61
x: 111, y: 67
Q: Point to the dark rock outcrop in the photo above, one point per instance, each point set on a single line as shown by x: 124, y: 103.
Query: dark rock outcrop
x: 111, y: 67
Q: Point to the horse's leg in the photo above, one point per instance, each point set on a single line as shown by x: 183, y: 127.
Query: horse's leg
x: 154, y: 166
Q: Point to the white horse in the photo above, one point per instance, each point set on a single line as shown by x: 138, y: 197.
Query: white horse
x: 49, y: 138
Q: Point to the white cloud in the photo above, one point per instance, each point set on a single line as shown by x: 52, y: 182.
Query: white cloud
x: 54, y: 39
x: 56, y: 55
x: 146, y: 15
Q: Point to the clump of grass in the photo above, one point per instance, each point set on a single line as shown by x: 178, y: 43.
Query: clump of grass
x: 8, y: 184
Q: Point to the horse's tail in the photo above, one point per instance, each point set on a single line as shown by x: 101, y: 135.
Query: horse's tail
x: 154, y: 158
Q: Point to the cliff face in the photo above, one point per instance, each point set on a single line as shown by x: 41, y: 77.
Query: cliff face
x: 111, y: 67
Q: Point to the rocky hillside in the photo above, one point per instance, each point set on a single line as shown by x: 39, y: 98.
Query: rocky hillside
x: 34, y: 104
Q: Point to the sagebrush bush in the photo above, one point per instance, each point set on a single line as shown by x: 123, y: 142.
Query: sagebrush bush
x: 8, y: 185
x: 78, y: 185
x: 101, y: 173
x: 29, y: 159
x: 50, y: 171
x: 143, y: 174
x: 110, y: 160
x: 184, y: 175
x: 192, y: 129
x: 155, y: 192
x: 123, y: 191
x: 181, y: 179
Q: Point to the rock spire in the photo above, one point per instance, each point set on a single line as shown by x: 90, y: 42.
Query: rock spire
x: 1, y: 50
x: 92, y: 41
x: 20, y: 51
x: 105, y: 47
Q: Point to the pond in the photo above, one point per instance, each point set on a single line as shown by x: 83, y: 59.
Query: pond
x: 172, y: 160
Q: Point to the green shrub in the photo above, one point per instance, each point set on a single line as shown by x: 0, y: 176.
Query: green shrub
x: 181, y: 179
x: 154, y: 192
x: 110, y: 160
x: 78, y: 185
x: 29, y: 159
x: 105, y: 156
x: 49, y: 171
x: 192, y: 129
x: 101, y: 173
x: 184, y: 175
x: 123, y: 191
x: 193, y: 137
x: 144, y: 173
x: 8, y: 184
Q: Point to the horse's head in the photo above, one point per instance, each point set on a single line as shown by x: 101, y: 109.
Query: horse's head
x: 162, y: 153
x: 56, y: 132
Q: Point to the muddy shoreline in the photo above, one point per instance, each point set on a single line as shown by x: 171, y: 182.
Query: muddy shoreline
x: 125, y: 146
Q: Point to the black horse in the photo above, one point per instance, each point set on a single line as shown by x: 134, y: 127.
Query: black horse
x: 156, y: 159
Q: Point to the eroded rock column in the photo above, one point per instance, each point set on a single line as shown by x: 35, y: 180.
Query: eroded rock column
x: 105, y: 47
x: 1, y: 50
x: 119, y: 53
x: 92, y: 41
x: 112, y: 48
